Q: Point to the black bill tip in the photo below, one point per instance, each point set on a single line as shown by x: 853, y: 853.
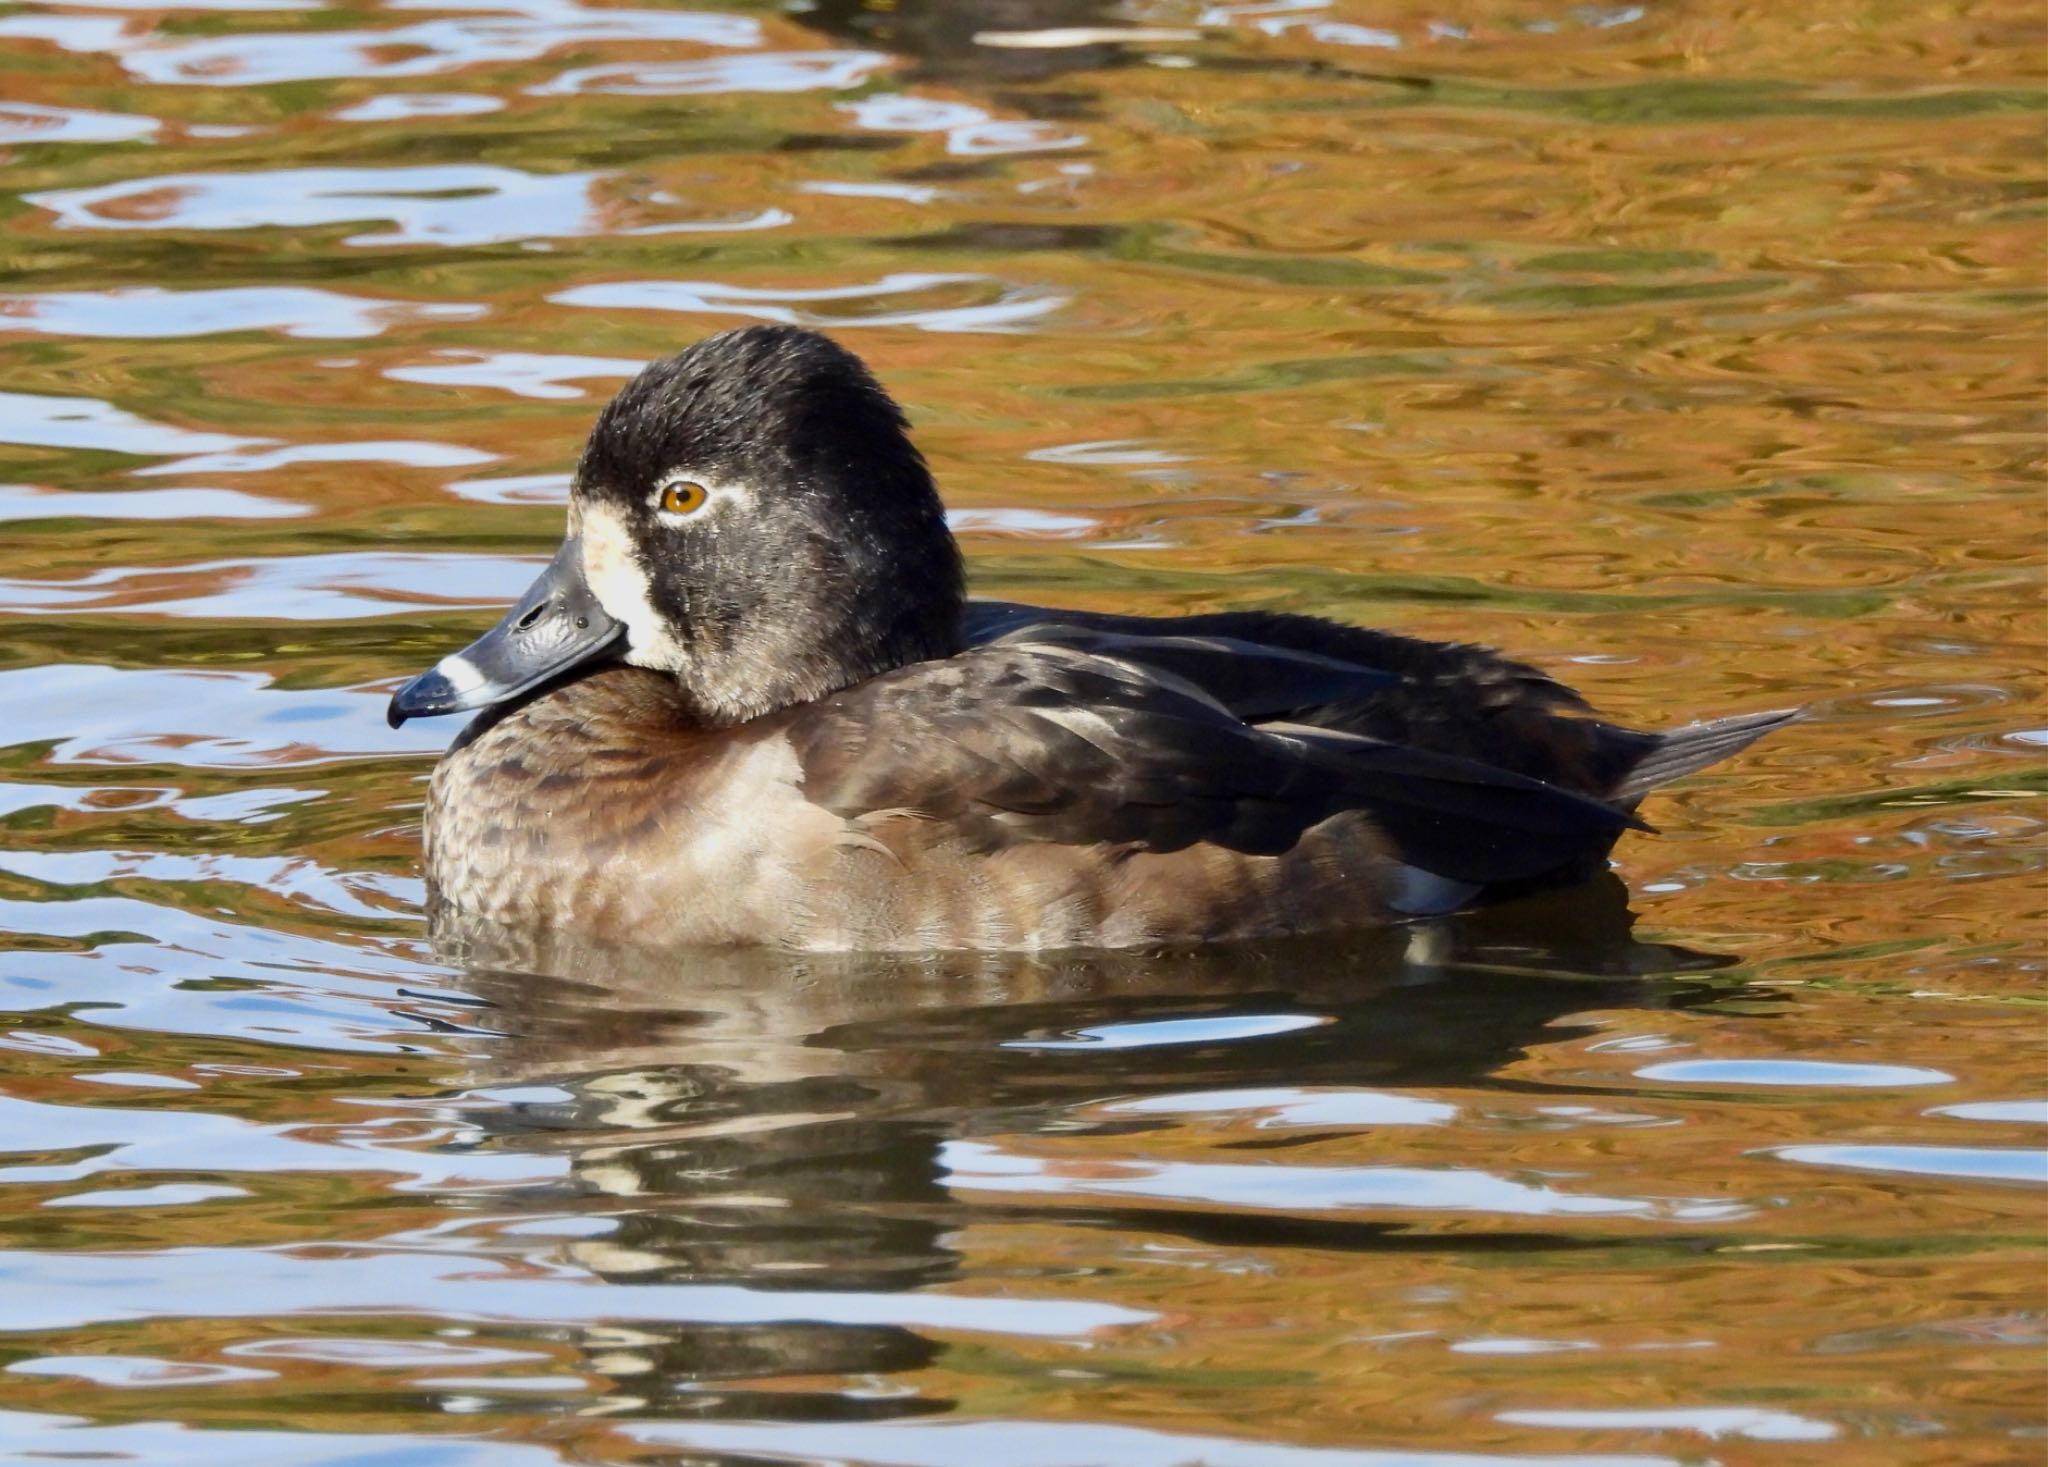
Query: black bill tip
x: 558, y: 624
x: 422, y: 697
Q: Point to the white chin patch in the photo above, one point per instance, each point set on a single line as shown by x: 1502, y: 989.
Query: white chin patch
x: 619, y: 582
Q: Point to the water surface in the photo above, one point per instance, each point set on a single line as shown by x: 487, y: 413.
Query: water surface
x: 1692, y: 351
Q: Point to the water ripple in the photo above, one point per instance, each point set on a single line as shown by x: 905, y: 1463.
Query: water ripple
x: 1791, y: 1072
x: 408, y: 106
x: 31, y: 1437
x: 20, y: 502
x: 446, y: 205
x: 48, y: 1291
x: 890, y: 301
x: 978, y: 1166
x: 87, y: 423
x: 524, y: 374
x: 1025, y: 1443
x: 214, y: 979
x: 146, y: 312
x: 428, y: 48
x: 405, y: 452
x: 25, y: 122
x: 135, y: 1372
x: 969, y: 131
x: 336, y: 587
x: 1286, y: 1106
x: 200, y: 718
x: 1714, y: 1422
x: 1962, y: 1163
x: 764, y: 71
x: 296, y: 879
x: 423, y: 1156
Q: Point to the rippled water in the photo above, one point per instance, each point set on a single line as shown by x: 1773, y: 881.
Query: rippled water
x: 1694, y: 351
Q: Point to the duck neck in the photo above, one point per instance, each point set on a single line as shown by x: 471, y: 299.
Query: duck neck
x: 822, y: 627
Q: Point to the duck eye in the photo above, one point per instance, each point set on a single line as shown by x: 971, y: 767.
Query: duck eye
x: 683, y: 497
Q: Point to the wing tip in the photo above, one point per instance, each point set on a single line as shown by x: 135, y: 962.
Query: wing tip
x: 1687, y: 750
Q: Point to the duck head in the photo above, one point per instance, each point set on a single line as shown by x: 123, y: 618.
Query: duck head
x: 750, y: 518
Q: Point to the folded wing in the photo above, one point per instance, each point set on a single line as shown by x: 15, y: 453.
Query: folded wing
x: 1024, y: 739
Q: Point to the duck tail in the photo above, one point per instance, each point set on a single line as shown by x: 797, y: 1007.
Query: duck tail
x: 1682, y: 751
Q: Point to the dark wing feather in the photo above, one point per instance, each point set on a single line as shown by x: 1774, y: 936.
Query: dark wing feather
x: 1040, y: 742
x: 1447, y: 697
x: 1250, y: 679
x: 1468, y: 820
x: 1476, y: 679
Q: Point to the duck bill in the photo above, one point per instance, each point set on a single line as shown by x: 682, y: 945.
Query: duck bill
x: 556, y: 625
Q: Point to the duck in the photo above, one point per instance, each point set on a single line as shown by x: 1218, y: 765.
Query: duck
x: 749, y: 702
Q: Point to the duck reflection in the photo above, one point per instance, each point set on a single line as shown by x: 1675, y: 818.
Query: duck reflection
x: 776, y: 1120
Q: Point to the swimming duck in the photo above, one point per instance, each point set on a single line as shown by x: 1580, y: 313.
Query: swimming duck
x: 749, y: 702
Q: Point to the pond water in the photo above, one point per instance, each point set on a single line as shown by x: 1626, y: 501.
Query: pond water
x: 1693, y: 351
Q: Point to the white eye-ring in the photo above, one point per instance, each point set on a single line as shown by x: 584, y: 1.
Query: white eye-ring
x: 680, y: 496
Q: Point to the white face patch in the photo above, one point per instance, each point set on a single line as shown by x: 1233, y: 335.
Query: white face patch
x: 619, y: 582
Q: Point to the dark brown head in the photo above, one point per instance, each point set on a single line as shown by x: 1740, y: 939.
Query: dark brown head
x: 749, y: 517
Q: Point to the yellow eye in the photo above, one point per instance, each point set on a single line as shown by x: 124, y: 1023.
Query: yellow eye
x: 683, y: 497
